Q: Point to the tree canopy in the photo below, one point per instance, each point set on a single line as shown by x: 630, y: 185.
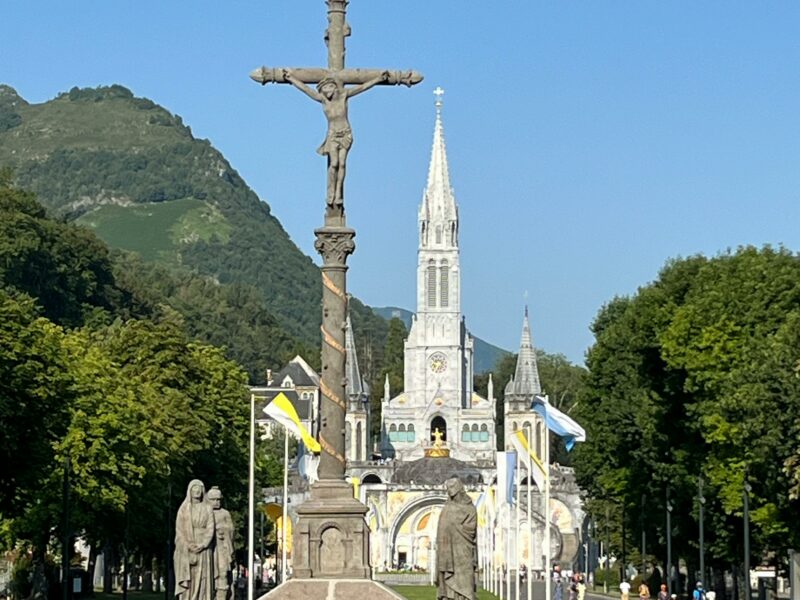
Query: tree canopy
x: 696, y: 375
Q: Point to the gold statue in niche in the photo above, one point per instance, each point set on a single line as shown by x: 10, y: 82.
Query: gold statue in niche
x: 438, y: 449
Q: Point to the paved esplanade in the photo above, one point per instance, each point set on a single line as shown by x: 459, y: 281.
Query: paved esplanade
x: 330, y: 537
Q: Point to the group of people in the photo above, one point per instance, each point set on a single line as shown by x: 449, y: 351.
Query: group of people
x: 204, y: 553
x: 576, y: 585
x: 699, y: 592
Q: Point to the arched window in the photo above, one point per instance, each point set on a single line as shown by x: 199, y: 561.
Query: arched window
x: 476, y: 435
x: 444, y: 285
x: 410, y: 434
x: 465, y: 433
x: 513, y: 426
x: 348, y: 434
x: 540, y: 440
x: 371, y: 478
x: 401, y: 433
x: 526, y: 427
x: 431, y: 284
x: 392, y: 432
x: 484, y: 433
x: 359, y: 445
x: 438, y: 234
x: 452, y: 234
x: 439, y: 423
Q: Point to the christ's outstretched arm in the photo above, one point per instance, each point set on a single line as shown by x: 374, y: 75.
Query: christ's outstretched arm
x: 311, y: 93
x: 354, y: 91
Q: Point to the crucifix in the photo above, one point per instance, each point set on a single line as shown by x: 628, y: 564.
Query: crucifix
x: 332, y: 92
x: 331, y: 505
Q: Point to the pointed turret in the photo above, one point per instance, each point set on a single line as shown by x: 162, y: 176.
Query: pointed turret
x: 525, y: 383
x: 355, y: 385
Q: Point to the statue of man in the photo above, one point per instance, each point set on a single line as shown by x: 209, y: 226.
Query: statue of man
x: 194, y: 546
x: 456, y: 545
x: 333, y: 96
x: 224, y: 558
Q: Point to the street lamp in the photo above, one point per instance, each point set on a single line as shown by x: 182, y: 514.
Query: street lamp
x: 746, y: 501
x: 702, y: 501
x: 669, y: 542
x: 644, y: 539
x: 608, y: 555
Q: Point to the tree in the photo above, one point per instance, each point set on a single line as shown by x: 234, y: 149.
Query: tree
x: 393, y: 367
x: 694, y: 375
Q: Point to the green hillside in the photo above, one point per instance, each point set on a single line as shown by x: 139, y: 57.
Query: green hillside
x: 133, y: 172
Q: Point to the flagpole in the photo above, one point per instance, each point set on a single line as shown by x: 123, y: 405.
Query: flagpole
x: 251, y: 499
x: 548, y: 550
x: 516, y: 525
x: 529, y: 562
x: 507, y: 541
x: 285, y: 502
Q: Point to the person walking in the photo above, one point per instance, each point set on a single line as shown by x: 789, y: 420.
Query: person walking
x: 624, y: 590
x: 559, y: 583
x: 581, y: 588
x: 644, y: 591
x: 662, y: 593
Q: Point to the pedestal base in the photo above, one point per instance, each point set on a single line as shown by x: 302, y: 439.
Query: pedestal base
x: 331, y: 538
x: 332, y: 589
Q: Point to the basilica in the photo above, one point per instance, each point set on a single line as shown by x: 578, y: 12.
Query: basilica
x: 437, y: 426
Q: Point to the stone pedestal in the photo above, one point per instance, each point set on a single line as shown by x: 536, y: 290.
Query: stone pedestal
x: 331, y: 537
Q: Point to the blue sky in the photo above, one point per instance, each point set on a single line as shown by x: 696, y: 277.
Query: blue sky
x: 589, y: 142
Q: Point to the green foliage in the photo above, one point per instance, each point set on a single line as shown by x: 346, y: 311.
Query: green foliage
x: 132, y: 405
x: 392, y: 366
x: 696, y: 375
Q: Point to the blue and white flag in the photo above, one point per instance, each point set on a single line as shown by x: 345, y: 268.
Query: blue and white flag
x: 558, y: 422
x: 307, y: 463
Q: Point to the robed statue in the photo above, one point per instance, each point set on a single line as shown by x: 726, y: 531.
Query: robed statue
x: 194, y: 546
x: 456, y: 545
x: 223, y: 545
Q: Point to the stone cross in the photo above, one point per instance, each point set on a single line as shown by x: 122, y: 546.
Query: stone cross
x: 334, y: 240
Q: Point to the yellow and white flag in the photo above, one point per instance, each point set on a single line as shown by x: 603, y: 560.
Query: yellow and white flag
x: 282, y: 410
x: 533, y: 465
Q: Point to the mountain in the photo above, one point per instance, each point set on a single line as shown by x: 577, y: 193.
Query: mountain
x: 135, y: 174
x: 486, y: 354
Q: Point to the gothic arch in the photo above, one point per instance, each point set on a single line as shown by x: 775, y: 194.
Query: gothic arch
x: 438, y: 422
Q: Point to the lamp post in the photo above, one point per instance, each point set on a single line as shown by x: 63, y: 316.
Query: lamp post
x: 669, y: 542
x: 644, y: 538
x: 608, y: 555
x: 746, y: 502
x: 701, y: 501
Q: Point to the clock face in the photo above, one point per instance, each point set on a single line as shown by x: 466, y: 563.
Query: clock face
x: 437, y: 362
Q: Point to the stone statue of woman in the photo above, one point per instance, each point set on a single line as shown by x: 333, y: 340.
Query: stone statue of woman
x: 456, y: 545
x: 333, y: 96
x: 194, y: 541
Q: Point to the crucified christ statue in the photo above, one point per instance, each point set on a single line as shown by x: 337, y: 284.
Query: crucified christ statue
x: 333, y: 95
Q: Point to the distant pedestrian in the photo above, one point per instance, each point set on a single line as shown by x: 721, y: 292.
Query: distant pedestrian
x: 624, y: 590
x: 699, y: 593
x: 662, y: 593
x: 581, y: 588
x: 559, y: 583
x: 644, y: 591
x: 573, y: 588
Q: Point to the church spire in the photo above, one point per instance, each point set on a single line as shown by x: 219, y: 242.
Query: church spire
x: 355, y: 386
x: 526, y: 376
x: 438, y: 209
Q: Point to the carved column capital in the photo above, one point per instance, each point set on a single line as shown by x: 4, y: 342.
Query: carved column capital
x: 335, y: 244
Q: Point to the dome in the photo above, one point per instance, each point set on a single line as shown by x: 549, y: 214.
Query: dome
x: 435, y: 471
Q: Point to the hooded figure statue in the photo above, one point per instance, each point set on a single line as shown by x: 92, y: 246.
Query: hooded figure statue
x: 456, y: 547
x: 194, y: 541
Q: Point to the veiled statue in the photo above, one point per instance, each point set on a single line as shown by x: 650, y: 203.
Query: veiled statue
x: 223, y: 545
x: 456, y: 545
x: 194, y: 546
